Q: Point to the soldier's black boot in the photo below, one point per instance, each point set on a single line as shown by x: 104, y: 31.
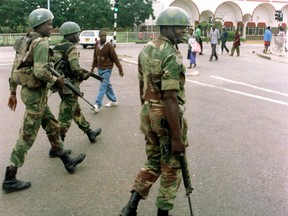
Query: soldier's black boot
x: 131, y: 208
x: 71, y: 163
x: 162, y: 212
x: 93, y: 134
x: 11, y: 184
x: 53, y: 153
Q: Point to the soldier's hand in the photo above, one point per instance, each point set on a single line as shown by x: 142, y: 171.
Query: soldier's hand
x: 12, y: 102
x: 177, y: 147
x: 59, y: 84
x: 86, y: 76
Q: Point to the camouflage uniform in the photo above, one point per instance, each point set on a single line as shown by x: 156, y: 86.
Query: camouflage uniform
x: 69, y: 107
x: 160, y: 69
x: 37, y: 111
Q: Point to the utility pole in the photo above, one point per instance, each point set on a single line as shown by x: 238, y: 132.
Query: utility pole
x: 48, y: 5
x: 115, y: 20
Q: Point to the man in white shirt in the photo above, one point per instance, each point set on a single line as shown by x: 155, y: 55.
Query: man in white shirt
x: 213, y: 38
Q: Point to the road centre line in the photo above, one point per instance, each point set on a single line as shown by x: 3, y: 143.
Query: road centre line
x: 239, y: 92
x: 248, y: 85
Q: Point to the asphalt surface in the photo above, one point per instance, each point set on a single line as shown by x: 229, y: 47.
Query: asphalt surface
x: 237, y: 115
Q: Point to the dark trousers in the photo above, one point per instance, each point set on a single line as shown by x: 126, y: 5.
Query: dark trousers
x: 201, y: 44
x: 213, y: 53
x: 223, y: 46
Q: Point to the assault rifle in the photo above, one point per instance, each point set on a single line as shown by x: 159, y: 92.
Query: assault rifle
x: 69, y: 85
x: 95, y: 76
x: 186, y: 179
x: 62, y: 64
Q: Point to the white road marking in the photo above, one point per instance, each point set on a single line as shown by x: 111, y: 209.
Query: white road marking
x: 251, y: 86
x: 240, y: 93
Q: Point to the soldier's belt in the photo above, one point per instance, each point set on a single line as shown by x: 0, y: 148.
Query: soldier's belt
x: 153, y: 104
x: 182, y: 108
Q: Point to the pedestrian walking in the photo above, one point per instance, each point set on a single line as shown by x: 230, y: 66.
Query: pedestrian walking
x: 214, y: 40
x: 198, y: 32
x: 267, y: 39
x: 223, y: 38
x: 34, y: 95
x: 280, y: 40
x: 161, y: 81
x: 104, y: 58
x: 236, y: 43
x: 67, y: 57
x: 191, y: 53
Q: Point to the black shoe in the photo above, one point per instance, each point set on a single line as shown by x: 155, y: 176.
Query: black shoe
x: 15, y: 185
x: 126, y: 211
x: 162, y: 212
x: 11, y: 184
x: 93, y: 134
x: 55, y: 153
x: 71, y: 163
x: 131, y: 208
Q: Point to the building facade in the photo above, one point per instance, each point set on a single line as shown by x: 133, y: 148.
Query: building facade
x: 251, y: 17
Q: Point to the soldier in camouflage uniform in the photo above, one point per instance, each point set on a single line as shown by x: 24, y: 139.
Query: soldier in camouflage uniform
x: 161, y: 78
x: 69, y: 66
x: 37, y: 111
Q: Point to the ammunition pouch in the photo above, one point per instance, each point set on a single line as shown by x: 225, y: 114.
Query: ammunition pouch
x: 25, y: 76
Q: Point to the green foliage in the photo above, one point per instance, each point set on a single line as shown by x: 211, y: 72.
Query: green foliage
x: 133, y: 12
x: 12, y: 13
x: 231, y: 35
x: 89, y: 14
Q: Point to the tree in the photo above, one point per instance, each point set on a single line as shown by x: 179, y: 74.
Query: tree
x: 89, y: 14
x: 12, y: 13
x: 134, y: 12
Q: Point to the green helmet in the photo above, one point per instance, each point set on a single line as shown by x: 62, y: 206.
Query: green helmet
x: 173, y: 16
x: 39, y: 16
x: 69, y: 28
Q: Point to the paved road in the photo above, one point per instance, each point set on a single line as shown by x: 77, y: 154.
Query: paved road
x: 237, y: 113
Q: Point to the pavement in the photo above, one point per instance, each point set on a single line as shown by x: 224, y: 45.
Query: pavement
x: 273, y: 57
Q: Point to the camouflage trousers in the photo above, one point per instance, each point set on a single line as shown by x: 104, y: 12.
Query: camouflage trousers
x: 37, y: 114
x: 69, y: 109
x: 160, y: 163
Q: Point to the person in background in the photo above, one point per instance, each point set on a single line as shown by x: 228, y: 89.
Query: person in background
x: 267, y: 39
x: 214, y: 40
x: 191, y: 55
x: 281, y: 40
x: 104, y: 58
x: 198, y: 32
x: 223, y: 38
x: 236, y: 43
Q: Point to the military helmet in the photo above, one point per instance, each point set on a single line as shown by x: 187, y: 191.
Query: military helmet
x: 69, y: 28
x: 39, y: 16
x: 173, y: 16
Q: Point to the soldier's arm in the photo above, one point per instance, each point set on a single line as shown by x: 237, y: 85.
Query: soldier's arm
x: 40, y: 57
x: 140, y: 77
x: 171, y: 107
x: 74, y: 62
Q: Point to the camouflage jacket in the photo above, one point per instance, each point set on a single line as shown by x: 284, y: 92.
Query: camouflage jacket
x: 40, y: 55
x: 71, y: 58
x: 160, y: 68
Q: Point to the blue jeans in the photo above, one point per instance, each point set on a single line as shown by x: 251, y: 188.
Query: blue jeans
x: 104, y: 87
x: 193, y: 58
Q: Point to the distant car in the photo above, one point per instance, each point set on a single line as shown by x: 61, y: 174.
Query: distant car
x: 89, y: 38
